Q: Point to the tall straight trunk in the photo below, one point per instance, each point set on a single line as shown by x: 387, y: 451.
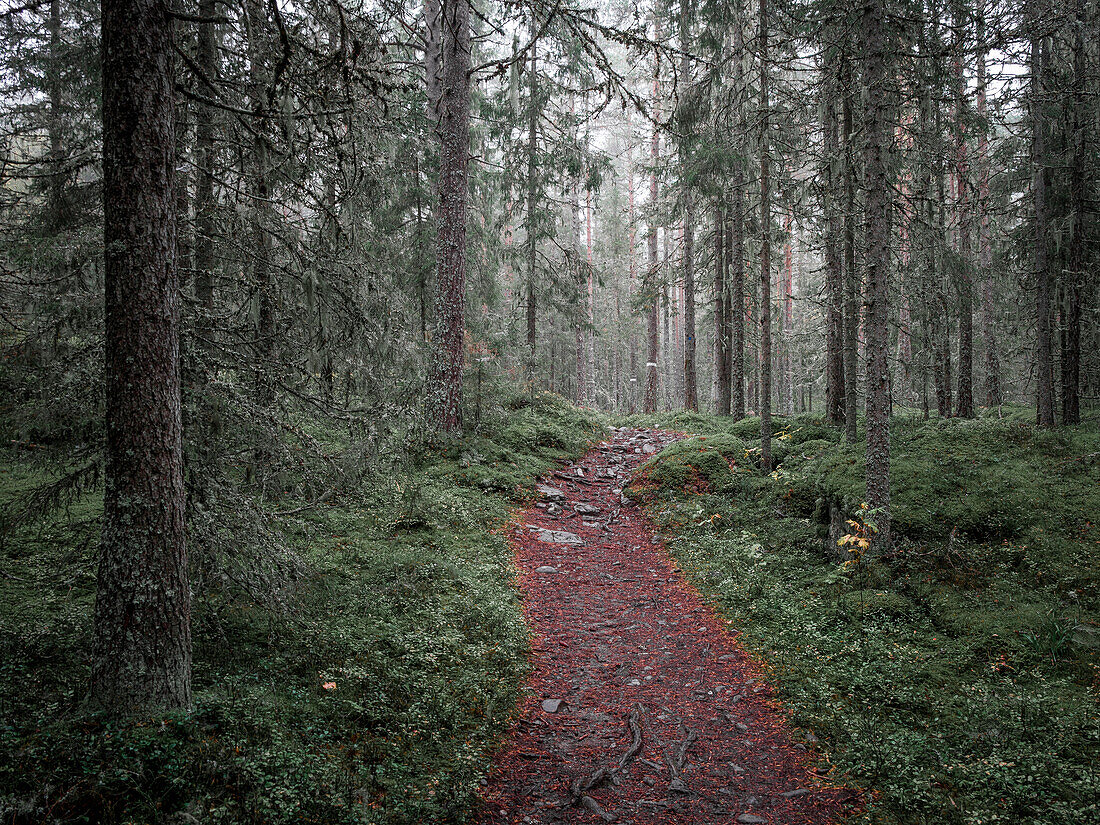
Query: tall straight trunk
x: 668, y: 296
x: 765, y: 254
x: 590, y: 330
x: 851, y: 275
x: 965, y: 395
x: 579, y: 320
x: 56, y: 207
x: 877, y: 262
x: 1044, y: 407
x: 632, y: 266
x: 205, y: 228
x: 260, y: 212
x: 834, y: 276
x: 532, y: 195
x: 943, y: 316
x: 454, y: 153
x: 141, y: 658
x: 649, y: 403
x: 788, y: 317
x: 691, y: 392
x: 1076, y: 275
x: 993, y: 394
x: 735, y: 247
x: 721, y: 314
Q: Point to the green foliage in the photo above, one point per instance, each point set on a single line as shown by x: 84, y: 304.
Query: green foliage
x: 957, y: 678
x: 372, y: 691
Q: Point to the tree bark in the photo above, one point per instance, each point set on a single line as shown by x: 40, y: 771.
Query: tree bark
x: 205, y: 157
x: 993, y: 394
x: 834, y: 276
x: 1076, y: 275
x: 735, y: 247
x: 649, y: 403
x: 851, y: 275
x: 454, y: 153
x: 965, y: 394
x: 765, y: 254
x: 532, y: 194
x: 142, y: 625
x: 721, y: 314
x: 877, y: 264
x: 1044, y: 406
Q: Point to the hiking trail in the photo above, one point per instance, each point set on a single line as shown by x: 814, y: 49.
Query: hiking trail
x: 641, y: 707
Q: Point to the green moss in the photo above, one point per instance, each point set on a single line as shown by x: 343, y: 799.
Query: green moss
x: 957, y: 678
x: 404, y: 606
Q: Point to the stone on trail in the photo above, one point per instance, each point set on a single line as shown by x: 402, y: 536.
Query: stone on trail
x: 586, y: 509
x: 751, y: 819
x: 551, y: 705
x: 551, y: 493
x: 797, y: 792
x: 558, y: 536
x: 546, y: 569
x: 649, y: 449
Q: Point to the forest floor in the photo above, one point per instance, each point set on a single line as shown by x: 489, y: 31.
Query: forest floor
x: 641, y: 707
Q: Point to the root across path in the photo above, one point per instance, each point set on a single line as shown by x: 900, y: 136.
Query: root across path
x: 641, y: 707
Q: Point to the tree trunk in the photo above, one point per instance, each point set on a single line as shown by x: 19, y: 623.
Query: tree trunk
x: 649, y: 403
x: 532, y: 194
x: 721, y: 314
x: 1044, y: 407
x: 260, y: 213
x: 691, y: 392
x: 851, y: 275
x: 205, y: 157
x: 965, y: 400
x: 877, y: 262
x: 1076, y: 275
x: 142, y: 626
x: 454, y: 153
x: 993, y: 393
x: 765, y: 254
x: 735, y: 247
x: 834, y: 276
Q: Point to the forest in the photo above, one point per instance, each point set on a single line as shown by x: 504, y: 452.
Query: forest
x: 539, y: 411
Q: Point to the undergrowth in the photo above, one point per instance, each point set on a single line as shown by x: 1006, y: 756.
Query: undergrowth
x: 958, y: 679
x: 372, y: 690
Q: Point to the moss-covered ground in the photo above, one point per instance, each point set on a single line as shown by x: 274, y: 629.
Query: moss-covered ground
x: 957, y: 679
x: 372, y: 689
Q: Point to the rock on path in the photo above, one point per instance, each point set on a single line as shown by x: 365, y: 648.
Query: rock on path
x: 641, y: 708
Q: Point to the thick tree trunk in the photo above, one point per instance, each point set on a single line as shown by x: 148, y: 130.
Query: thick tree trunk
x: 1044, y: 407
x: 877, y: 263
x: 142, y: 628
x: 691, y: 392
x: 765, y: 253
x: 454, y: 153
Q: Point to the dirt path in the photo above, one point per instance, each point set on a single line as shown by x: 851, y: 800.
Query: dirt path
x: 641, y: 707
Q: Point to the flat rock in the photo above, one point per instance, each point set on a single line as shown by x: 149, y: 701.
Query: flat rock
x: 558, y: 536
x: 586, y: 509
x: 649, y: 449
x: 552, y: 705
x: 797, y: 792
x: 548, y: 492
x: 546, y: 569
x: 751, y: 819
